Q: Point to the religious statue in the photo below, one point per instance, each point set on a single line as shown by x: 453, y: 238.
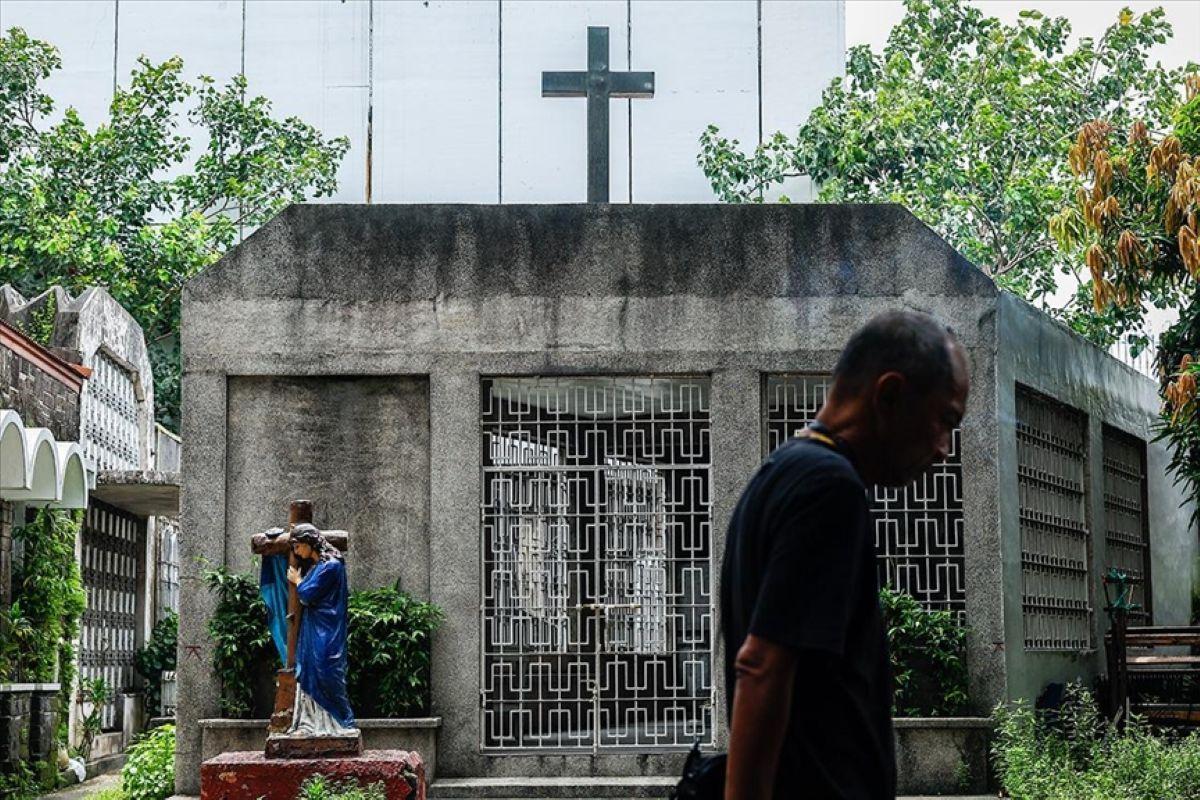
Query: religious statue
x: 305, y: 590
x: 322, y: 708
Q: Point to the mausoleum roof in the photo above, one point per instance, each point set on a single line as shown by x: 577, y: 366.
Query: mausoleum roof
x: 404, y: 252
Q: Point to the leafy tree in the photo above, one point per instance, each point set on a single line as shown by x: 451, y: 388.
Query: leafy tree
x: 1135, y: 224
x: 129, y: 205
x: 966, y: 121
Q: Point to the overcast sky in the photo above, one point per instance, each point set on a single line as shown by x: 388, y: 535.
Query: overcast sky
x: 868, y: 21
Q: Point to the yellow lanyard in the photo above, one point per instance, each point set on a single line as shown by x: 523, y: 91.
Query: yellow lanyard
x: 809, y: 433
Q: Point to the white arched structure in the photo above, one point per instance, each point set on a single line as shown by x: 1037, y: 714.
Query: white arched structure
x: 37, y: 470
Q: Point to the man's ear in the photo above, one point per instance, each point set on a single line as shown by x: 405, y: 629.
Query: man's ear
x: 889, y: 390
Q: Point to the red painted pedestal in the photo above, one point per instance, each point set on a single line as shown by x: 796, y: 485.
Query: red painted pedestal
x: 251, y: 775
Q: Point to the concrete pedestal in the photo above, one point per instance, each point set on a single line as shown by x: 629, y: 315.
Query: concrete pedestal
x: 14, y: 722
x: 251, y: 775
x: 43, y: 721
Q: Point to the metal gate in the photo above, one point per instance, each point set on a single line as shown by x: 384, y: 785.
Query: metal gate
x: 1056, y: 541
x: 1126, y: 521
x: 113, y: 549
x: 919, y: 540
x: 596, y: 582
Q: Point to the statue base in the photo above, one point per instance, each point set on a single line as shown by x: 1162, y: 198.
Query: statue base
x: 281, y: 745
x: 251, y: 775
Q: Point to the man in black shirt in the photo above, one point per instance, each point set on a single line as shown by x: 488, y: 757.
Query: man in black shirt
x: 807, y: 669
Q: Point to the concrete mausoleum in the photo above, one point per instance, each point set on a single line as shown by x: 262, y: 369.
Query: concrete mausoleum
x: 541, y: 417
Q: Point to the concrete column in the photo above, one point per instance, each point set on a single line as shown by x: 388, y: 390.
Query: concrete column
x: 988, y: 443
x: 737, y: 431
x: 6, y: 518
x: 202, y: 547
x: 454, y: 557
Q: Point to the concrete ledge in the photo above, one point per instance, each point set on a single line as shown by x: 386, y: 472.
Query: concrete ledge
x: 552, y: 787
x: 942, y: 755
x: 419, y: 734
x: 143, y: 492
x: 925, y: 723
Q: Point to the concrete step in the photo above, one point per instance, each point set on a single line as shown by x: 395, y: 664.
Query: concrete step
x: 573, y: 788
x: 578, y: 789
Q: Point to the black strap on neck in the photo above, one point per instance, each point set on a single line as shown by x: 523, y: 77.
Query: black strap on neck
x: 820, y: 433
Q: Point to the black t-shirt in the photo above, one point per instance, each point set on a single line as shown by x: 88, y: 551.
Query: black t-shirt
x: 799, y: 571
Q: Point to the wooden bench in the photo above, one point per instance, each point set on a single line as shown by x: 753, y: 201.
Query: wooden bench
x: 1134, y: 668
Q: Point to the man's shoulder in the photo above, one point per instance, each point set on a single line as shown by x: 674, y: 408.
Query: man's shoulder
x: 803, y: 462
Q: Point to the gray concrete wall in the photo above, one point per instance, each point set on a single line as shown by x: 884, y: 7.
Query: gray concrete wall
x: 358, y: 447
x: 453, y: 293
x: 1043, y: 355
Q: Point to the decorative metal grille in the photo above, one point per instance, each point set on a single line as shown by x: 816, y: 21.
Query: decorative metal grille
x: 113, y: 546
x: 1126, y: 524
x: 168, y: 566
x: 918, y: 529
x: 597, y: 602
x: 110, y: 416
x: 1055, y: 540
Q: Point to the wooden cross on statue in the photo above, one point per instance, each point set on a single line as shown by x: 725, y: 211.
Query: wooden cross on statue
x: 277, y: 541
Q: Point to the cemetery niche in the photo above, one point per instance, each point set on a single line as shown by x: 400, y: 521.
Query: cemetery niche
x: 539, y: 418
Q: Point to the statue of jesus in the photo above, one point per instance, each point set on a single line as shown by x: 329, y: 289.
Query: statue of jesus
x: 322, y: 707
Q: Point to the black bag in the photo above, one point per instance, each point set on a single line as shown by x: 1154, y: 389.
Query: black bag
x: 703, y: 777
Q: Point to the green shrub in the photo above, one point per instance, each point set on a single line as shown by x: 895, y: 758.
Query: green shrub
x: 241, y: 639
x: 48, y: 599
x: 20, y: 783
x: 111, y: 793
x: 387, y: 647
x: 149, y: 771
x: 388, y: 651
x: 1074, y: 754
x: 157, y: 657
x: 929, y: 658
x: 94, y: 694
x: 319, y: 787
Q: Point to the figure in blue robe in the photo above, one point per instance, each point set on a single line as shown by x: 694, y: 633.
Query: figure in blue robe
x: 322, y: 707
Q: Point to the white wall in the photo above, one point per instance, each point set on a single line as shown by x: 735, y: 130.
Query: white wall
x: 453, y: 87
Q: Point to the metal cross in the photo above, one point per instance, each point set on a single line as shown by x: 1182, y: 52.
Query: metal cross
x: 598, y: 85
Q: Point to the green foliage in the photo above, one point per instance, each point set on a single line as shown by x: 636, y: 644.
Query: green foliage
x: 128, y: 204
x: 1135, y: 224
x: 48, y: 598
x: 157, y: 657
x: 966, y: 121
x: 929, y: 658
x: 387, y: 647
x: 241, y: 639
x: 149, y: 771
x: 111, y: 793
x: 40, y: 326
x: 388, y: 650
x: 319, y: 787
x: 94, y: 694
x: 20, y: 783
x: 1073, y: 754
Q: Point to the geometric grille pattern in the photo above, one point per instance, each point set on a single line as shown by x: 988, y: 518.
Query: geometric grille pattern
x: 597, y: 605
x: 109, y: 411
x: 113, y: 546
x: 1055, y: 541
x: 1126, y: 523
x: 918, y: 528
